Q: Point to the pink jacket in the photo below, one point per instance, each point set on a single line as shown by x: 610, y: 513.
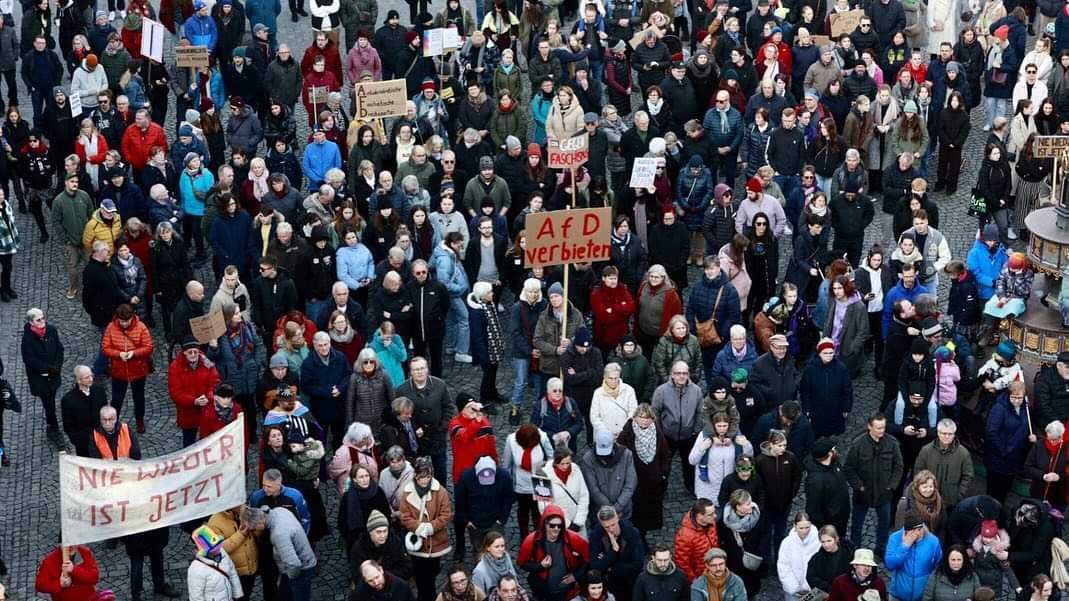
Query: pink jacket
x: 342, y: 462
x: 359, y: 60
x: 947, y: 377
x: 1000, y: 549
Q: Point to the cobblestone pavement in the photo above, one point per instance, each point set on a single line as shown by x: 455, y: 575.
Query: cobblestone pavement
x: 29, y: 488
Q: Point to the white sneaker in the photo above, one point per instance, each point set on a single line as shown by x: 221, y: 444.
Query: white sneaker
x: 462, y: 358
x: 122, y: 14
x: 1012, y: 235
x: 500, y: 308
x: 111, y: 15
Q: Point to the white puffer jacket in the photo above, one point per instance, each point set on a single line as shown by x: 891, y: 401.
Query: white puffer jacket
x: 207, y: 580
x: 573, y: 497
x: 794, y: 554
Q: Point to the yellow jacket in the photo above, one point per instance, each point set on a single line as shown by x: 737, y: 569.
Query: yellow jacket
x: 242, y: 549
x: 97, y: 229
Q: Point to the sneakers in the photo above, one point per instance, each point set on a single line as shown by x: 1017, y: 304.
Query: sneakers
x: 122, y: 14
x: 514, y: 416
x: 462, y: 358
x: 1012, y: 235
x: 500, y: 308
x: 111, y: 15
x: 71, y: 293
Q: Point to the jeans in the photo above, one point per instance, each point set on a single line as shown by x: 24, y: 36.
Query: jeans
x: 824, y: 183
x: 777, y: 530
x: 37, y: 99
x: 521, y: 368
x: 456, y: 327
x: 597, y: 69
x: 118, y: 395
x: 299, y: 588
x: 994, y: 107
x: 926, y: 159
x: 883, y: 523
x: 314, y: 307
x: 441, y: 470
x: 787, y: 183
x: 100, y: 364
x: 137, y: 573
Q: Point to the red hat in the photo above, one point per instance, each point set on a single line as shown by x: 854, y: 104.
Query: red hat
x: 989, y: 529
x: 754, y: 184
x: 237, y: 102
x: 534, y: 150
x: 825, y: 344
x: 1003, y: 32
x: 410, y: 36
x: 427, y: 84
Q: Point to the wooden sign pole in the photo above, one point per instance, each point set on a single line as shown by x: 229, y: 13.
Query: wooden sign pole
x: 564, y: 322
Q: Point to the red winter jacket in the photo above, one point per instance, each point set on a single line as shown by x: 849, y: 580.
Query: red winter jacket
x: 330, y: 54
x: 210, y: 422
x: 611, y: 326
x: 692, y: 541
x: 471, y: 439
x: 533, y: 551
x: 135, y: 338
x: 185, y: 384
x: 137, y: 145
x: 83, y: 578
x: 141, y: 246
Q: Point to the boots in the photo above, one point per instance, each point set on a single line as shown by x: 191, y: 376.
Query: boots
x: 140, y: 426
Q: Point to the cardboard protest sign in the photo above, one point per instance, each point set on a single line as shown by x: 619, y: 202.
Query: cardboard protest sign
x: 643, y: 172
x: 318, y: 94
x: 845, y: 23
x: 208, y: 327
x: 568, y: 236
x: 102, y: 499
x: 437, y: 41
x: 1048, y: 147
x: 191, y: 56
x: 152, y: 36
x: 76, y: 104
x: 451, y: 38
x: 376, y: 99
x: 570, y: 153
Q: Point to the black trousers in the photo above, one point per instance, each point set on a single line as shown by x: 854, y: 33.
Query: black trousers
x: 7, y: 268
x: 426, y: 570
x: 431, y: 350
x: 948, y: 168
x: 682, y: 447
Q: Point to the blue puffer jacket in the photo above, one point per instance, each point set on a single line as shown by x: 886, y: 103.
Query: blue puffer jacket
x: 449, y: 271
x: 911, y: 566
x: 724, y: 136
x: 231, y: 240
x: 566, y: 419
x: 317, y: 380
x: 194, y: 190
x: 726, y: 362
x: 242, y: 376
x: 986, y: 266
x: 354, y: 264
x: 693, y: 194
x: 1006, y: 436
x: 201, y: 31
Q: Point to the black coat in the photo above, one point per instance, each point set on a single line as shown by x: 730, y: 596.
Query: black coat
x: 777, y: 381
x: 1051, y: 394
x: 650, y: 586
x: 43, y: 358
x: 1030, y: 551
x: 391, y: 555
x: 670, y: 247
x: 81, y: 414
x: 647, y: 512
x: 99, y: 293
x: 827, y: 496
x: 396, y: 589
x: 430, y: 302
x: 755, y: 485
x: 170, y: 270
x: 272, y: 299
x: 825, y: 567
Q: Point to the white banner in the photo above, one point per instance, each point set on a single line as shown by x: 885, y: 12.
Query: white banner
x: 102, y: 499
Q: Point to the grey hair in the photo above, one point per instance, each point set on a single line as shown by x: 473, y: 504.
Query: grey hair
x: 159, y: 191
x: 681, y: 364
x: 253, y: 516
x: 108, y: 410
x: 394, y: 452
x: 471, y: 135
x: 606, y: 513
x: 395, y: 252
x: 100, y: 245
x: 368, y: 353
x: 284, y: 228
x: 737, y: 330
x: 554, y: 382
x: 946, y: 425
x: 321, y: 337
x: 657, y: 270
x: 410, y: 183
x: 273, y: 475
x: 612, y: 369
x: 358, y: 432
x: 80, y: 369
x: 391, y: 276
x: 335, y: 175
x: 852, y: 153
x: 402, y: 403
x: 326, y: 190
x: 34, y: 313
x: 1055, y: 429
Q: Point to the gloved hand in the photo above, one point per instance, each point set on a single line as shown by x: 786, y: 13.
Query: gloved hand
x: 424, y: 530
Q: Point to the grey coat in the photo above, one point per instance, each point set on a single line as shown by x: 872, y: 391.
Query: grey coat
x: 613, y: 484
x: 547, y: 337
x: 939, y: 588
x: 678, y: 410
x: 855, y: 330
x: 293, y: 552
x: 9, y: 48
x: 952, y: 467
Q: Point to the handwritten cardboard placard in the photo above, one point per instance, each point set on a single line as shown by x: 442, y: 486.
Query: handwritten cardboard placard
x: 376, y: 99
x: 1048, y: 147
x: 318, y: 94
x: 845, y: 23
x: 433, y: 42
x: 643, y: 172
x: 76, y: 104
x: 208, y: 327
x: 191, y: 56
x: 152, y: 37
x: 102, y: 499
x: 568, y: 236
x: 569, y: 153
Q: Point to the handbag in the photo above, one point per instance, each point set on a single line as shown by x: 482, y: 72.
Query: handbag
x: 706, y: 330
x: 977, y: 205
x: 999, y: 77
x: 750, y: 561
x: 8, y: 399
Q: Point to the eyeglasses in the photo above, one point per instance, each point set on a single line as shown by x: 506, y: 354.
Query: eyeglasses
x: 448, y: 161
x: 719, y: 101
x: 744, y: 468
x: 807, y: 177
x: 760, y: 224
x: 681, y: 373
x: 554, y: 525
x: 866, y: 25
x: 1030, y: 72
x: 660, y: 169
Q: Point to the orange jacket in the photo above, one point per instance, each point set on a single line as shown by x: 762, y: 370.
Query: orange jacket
x: 135, y: 338
x: 123, y: 446
x: 692, y: 541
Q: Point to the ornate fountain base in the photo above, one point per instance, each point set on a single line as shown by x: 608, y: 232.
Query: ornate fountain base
x: 1039, y: 333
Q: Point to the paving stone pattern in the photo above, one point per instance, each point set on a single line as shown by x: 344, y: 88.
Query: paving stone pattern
x: 29, y: 490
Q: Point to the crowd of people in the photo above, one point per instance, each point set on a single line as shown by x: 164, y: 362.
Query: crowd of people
x: 336, y: 258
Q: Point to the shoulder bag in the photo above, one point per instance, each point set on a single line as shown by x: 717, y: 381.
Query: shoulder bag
x: 707, y: 332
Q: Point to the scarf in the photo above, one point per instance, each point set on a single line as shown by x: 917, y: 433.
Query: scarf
x: 562, y: 472
x: 645, y: 442
x: 740, y: 354
x: 742, y: 523
x: 498, y: 567
x: 422, y: 491
x: 555, y: 404
x: 956, y: 578
x: 338, y: 337
x: 241, y: 342
x: 928, y: 508
x: 259, y: 184
x: 866, y: 583
x: 613, y: 392
x: 508, y: 68
x: 495, y: 340
x: 39, y: 331
x: 129, y: 268
x: 226, y: 414
x: 655, y: 108
x: 525, y: 461
x: 716, y: 586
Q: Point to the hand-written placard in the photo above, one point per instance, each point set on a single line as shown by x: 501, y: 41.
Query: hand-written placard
x: 569, y: 153
x: 375, y: 99
x: 318, y: 94
x: 102, y: 499
x: 845, y: 23
x: 152, y: 37
x: 643, y: 172
x: 76, y: 104
x: 568, y: 236
x: 1048, y: 147
x: 433, y: 42
x: 208, y: 327
x: 191, y: 56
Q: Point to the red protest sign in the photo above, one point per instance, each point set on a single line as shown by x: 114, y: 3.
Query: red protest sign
x: 570, y: 153
x: 568, y: 236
